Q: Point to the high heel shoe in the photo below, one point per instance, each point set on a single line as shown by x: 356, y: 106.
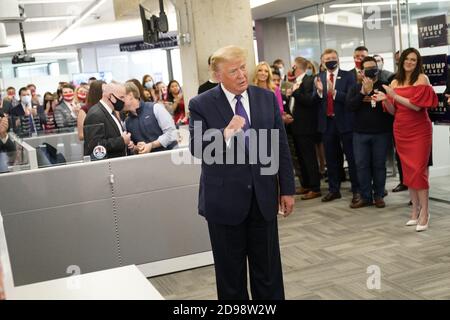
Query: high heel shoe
x: 414, y: 222
x: 420, y: 228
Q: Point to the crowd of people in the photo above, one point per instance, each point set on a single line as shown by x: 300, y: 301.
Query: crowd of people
x: 358, y: 115
x: 67, y: 108
x: 329, y: 114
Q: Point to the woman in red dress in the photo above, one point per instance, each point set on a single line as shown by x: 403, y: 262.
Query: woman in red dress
x: 408, y: 97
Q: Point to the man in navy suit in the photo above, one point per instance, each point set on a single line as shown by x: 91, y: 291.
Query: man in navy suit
x: 335, y: 122
x: 240, y: 200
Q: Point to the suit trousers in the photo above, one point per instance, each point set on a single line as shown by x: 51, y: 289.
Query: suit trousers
x: 256, y: 240
x: 305, y: 147
x: 332, y: 140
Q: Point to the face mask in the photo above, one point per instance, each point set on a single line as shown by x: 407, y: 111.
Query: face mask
x: 358, y: 64
x: 331, y: 65
x: 81, y: 96
x: 118, y: 105
x: 149, y: 84
x: 309, y: 72
x: 371, y: 73
x: 281, y: 70
x: 26, y: 100
x: 68, y: 96
x: 380, y: 65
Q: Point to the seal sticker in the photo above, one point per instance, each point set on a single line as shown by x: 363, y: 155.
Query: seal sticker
x: 99, y: 152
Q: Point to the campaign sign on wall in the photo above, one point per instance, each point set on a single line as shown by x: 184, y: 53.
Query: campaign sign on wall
x: 441, y: 114
x: 436, y: 69
x: 432, y: 31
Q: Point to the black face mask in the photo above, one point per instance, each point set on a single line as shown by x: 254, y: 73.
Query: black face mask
x: 371, y: 73
x: 118, y: 105
x: 331, y: 65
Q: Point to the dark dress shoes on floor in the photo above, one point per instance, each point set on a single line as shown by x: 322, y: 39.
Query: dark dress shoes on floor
x: 301, y: 190
x: 331, y: 196
x: 356, y: 197
x: 401, y: 187
x: 361, y: 203
x: 379, y: 203
x: 311, y: 195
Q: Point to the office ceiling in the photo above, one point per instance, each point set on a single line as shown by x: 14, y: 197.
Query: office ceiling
x: 281, y: 6
x: 122, y: 9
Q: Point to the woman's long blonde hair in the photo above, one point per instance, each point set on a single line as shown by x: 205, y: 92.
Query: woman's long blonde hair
x: 269, y: 81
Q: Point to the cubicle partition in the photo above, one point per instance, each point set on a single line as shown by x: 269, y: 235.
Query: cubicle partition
x: 99, y: 215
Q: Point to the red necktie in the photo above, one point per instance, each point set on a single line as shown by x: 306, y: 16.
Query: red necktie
x: 330, y: 101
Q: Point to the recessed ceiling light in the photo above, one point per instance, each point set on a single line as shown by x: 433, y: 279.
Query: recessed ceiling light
x: 46, y: 19
x: 258, y: 3
x: 50, y: 1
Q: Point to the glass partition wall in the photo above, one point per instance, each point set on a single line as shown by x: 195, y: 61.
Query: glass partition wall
x: 382, y: 26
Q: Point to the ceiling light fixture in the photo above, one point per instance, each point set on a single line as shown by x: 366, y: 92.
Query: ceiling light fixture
x: 26, y: 2
x: 3, y: 38
x: 48, y: 19
x: 9, y: 11
x: 258, y: 3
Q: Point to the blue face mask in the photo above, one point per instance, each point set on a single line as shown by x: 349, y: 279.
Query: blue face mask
x: 149, y: 84
x: 309, y: 72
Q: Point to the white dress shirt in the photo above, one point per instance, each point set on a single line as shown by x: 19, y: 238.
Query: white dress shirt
x: 166, y: 124
x: 335, y: 73
x: 232, y: 100
x: 5, y: 139
x: 300, y: 78
x: 110, y: 111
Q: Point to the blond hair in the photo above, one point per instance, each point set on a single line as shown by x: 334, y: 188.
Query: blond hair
x: 328, y: 51
x: 226, y: 54
x: 131, y: 87
x: 311, y: 65
x: 269, y: 82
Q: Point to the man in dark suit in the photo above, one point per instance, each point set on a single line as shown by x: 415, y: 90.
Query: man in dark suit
x: 240, y: 200
x: 358, y: 56
x: 211, y: 83
x: 335, y: 122
x: 104, y: 135
x: 27, y: 117
x: 304, y: 129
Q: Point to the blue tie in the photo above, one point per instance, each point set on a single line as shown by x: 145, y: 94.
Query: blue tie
x: 240, y: 111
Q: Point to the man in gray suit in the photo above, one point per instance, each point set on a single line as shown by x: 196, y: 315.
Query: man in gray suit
x: 66, y: 112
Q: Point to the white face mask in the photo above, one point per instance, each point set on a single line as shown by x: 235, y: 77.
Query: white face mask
x: 26, y: 100
x: 380, y: 65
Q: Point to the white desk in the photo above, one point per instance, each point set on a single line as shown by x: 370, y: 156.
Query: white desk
x: 125, y: 283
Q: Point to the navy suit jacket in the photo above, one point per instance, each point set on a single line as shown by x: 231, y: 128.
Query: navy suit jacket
x: 226, y: 190
x: 344, y: 118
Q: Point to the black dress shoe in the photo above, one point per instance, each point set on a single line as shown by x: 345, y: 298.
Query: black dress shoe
x: 401, y: 187
x: 331, y: 196
x: 356, y: 197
